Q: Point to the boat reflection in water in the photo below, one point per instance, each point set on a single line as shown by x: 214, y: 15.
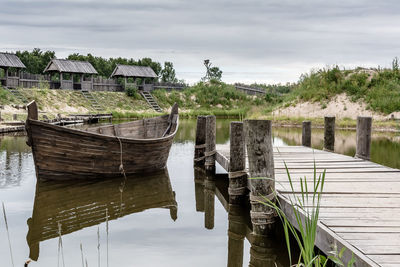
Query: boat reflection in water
x: 264, y: 251
x: 80, y: 204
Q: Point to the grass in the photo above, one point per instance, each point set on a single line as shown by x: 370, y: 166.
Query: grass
x: 379, y: 88
x: 205, y: 96
x: 8, y: 234
x: 306, y: 208
x: 7, y: 98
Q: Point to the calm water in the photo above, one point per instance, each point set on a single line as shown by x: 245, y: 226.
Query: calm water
x: 162, y: 220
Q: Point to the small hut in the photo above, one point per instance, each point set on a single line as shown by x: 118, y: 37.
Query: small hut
x: 12, y: 66
x: 146, y: 74
x: 73, y: 74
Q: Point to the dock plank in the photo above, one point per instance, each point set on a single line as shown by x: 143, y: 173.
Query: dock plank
x: 360, y: 206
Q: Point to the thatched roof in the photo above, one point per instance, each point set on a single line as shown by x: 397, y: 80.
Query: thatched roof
x: 10, y: 61
x: 70, y: 66
x: 133, y: 71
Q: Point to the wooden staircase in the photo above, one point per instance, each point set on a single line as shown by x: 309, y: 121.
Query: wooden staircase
x: 93, y: 102
x: 151, y: 101
x: 17, y: 94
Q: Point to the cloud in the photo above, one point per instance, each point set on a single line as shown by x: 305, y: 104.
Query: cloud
x: 255, y: 40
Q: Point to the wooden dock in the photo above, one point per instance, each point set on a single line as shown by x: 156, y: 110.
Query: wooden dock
x: 360, y: 205
x: 360, y: 208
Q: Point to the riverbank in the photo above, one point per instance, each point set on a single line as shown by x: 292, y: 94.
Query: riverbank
x: 218, y: 99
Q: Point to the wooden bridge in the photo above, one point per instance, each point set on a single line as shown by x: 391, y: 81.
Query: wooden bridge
x: 360, y: 203
x: 250, y: 90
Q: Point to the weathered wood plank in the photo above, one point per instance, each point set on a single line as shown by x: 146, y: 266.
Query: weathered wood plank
x: 360, y: 205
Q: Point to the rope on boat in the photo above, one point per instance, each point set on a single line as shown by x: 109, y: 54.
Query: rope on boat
x: 121, y: 166
x: 8, y: 234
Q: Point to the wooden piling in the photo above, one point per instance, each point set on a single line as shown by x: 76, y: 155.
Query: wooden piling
x: 199, y: 188
x: 209, y: 203
x: 210, y: 144
x: 15, y: 117
x: 200, y: 143
x: 329, y: 133
x: 363, y: 147
x: 237, y: 164
x: 261, y: 165
x: 262, y: 252
x: 236, y: 234
x: 306, y: 134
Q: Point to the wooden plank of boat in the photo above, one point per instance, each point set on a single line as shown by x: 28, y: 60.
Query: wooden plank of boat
x: 64, y: 153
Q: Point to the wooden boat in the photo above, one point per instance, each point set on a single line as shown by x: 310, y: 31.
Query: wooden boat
x: 76, y: 205
x: 133, y: 147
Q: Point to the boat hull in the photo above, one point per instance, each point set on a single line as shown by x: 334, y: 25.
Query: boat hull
x: 63, y: 153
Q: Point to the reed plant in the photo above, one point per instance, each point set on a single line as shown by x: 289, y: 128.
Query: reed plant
x: 305, y: 206
x: 8, y: 234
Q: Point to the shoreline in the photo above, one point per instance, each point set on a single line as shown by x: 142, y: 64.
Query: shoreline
x: 350, y: 125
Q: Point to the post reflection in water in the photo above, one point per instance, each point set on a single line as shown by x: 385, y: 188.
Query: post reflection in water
x: 264, y: 251
x: 80, y: 204
x: 13, y: 153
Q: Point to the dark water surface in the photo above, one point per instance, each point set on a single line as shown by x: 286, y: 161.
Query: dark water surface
x: 158, y: 220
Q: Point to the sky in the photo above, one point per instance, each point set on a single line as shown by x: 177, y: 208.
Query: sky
x: 264, y: 41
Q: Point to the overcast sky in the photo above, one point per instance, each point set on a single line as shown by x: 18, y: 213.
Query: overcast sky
x: 250, y: 40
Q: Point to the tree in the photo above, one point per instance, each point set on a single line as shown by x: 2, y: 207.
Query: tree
x: 35, y: 61
x: 168, y: 73
x: 215, y: 74
x: 150, y: 63
x: 212, y: 73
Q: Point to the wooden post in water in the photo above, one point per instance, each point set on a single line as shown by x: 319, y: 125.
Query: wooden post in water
x: 200, y: 143
x: 261, y: 165
x: 329, y: 134
x: 237, y: 164
x: 236, y: 234
x: 210, y: 143
x: 306, y: 134
x: 263, y: 252
x: 209, y: 202
x: 364, y: 126
x: 199, y: 177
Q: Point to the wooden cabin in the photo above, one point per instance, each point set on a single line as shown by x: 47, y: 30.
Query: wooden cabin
x: 73, y: 74
x: 144, y: 73
x: 11, y: 65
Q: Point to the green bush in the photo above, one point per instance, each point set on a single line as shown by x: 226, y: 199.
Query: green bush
x: 131, y: 90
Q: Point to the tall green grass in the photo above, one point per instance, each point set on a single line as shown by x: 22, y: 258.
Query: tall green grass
x: 306, y: 209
